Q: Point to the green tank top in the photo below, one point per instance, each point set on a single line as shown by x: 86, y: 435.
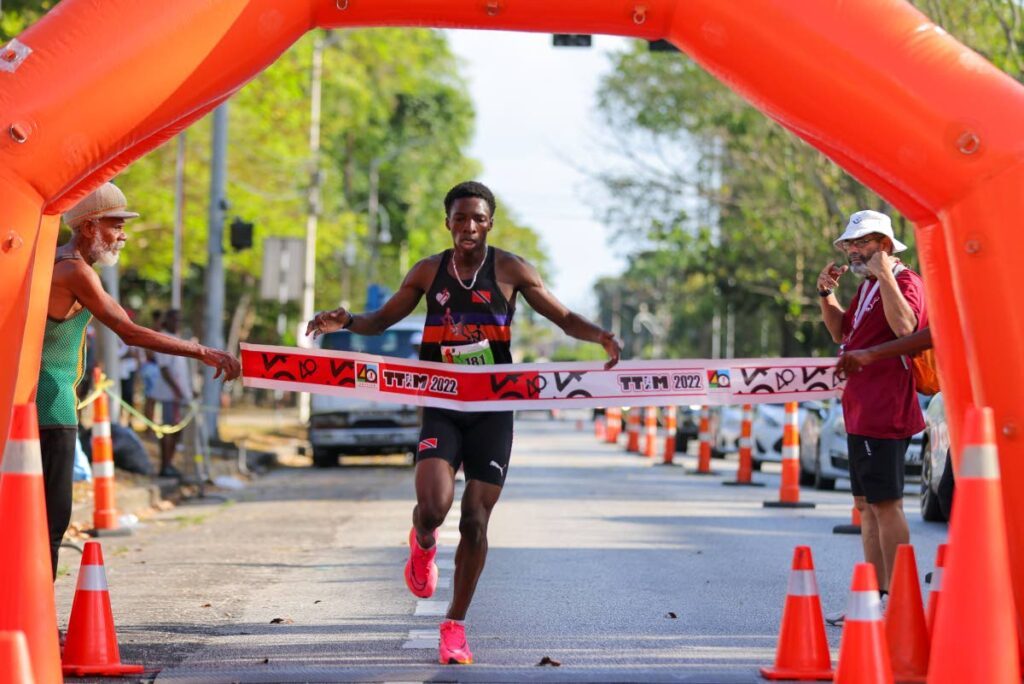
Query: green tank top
x: 62, y: 368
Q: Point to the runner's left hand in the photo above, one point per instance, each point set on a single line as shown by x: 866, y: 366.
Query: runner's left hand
x: 852, y: 362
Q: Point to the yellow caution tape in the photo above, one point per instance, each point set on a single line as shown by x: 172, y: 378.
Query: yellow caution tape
x: 159, y: 430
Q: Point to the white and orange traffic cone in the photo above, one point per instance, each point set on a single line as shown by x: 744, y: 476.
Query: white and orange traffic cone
x: 650, y: 431
x: 614, y: 427
x: 976, y: 615
x: 854, y: 525
x: 671, y: 428
x: 745, y: 470
x: 802, y: 652
x: 704, y: 435
x: 789, y: 485
x: 600, y: 428
x: 91, y: 645
x: 15, y: 667
x: 935, y: 588
x: 633, y: 430
x: 905, y: 627
x: 26, y: 574
x: 863, y: 652
x: 104, y: 513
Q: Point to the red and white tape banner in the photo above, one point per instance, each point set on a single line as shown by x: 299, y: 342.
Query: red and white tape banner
x: 539, y: 385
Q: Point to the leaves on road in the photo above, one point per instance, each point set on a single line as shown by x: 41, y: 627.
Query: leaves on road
x: 548, y: 661
x: 282, y: 621
x: 670, y: 615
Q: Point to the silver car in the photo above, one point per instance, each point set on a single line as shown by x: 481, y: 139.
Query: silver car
x: 935, y: 500
x: 823, y: 451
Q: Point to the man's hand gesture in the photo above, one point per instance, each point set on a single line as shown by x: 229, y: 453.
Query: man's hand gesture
x: 828, y: 279
x: 227, y: 365
x: 328, y: 321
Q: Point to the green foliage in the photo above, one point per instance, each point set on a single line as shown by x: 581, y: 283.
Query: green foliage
x: 726, y: 212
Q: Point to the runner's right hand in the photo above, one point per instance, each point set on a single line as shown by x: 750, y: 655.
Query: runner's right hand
x: 327, y: 321
x: 828, y: 279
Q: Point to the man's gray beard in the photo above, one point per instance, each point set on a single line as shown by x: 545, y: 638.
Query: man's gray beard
x: 859, y: 269
x: 107, y: 257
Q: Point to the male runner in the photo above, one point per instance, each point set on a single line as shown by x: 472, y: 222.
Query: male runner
x: 471, y: 296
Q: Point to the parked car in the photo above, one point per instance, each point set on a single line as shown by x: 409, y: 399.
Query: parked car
x: 351, y: 425
x: 936, y: 496
x: 727, y: 432
x: 824, y: 457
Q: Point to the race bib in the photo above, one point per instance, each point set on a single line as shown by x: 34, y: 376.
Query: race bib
x: 473, y: 354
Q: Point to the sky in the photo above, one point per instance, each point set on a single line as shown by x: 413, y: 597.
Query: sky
x: 535, y: 126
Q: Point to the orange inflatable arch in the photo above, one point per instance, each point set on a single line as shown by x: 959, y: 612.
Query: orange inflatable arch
x: 873, y: 84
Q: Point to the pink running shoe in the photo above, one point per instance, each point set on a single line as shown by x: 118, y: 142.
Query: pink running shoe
x: 420, y: 569
x: 453, y: 649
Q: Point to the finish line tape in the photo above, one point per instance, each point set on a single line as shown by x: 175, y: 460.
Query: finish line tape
x: 709, y: 382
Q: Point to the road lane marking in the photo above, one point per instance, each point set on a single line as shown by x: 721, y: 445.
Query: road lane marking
x: 431, y: 608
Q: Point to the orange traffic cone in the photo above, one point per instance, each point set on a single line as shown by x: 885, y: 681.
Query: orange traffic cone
x: 976, y: 615
x: 746, y: 467
x: 905, y: 626
x: 936, y: 586
x: 26, y: 574
x: 853, y: 527
x: 633, y: 431
x: 104, y: 513
x: 650, y: 431
x: 671, y: 429
x: 91, y: 645
x: 614, y: 427
x: 599, y: 428
x: 789, y: 485
x: 863, y: 653
x: 704, y: 452
x: 14, y: 663
x: 803, y: 647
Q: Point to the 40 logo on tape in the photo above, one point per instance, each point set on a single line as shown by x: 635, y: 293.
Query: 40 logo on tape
x: 719, y: 379
x: 367, y: 375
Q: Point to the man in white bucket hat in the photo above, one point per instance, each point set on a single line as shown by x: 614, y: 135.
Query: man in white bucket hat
x: 880, y: 406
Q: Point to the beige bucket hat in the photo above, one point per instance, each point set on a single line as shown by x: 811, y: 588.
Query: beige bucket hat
x: 106, y: 201
x: 867, y: 222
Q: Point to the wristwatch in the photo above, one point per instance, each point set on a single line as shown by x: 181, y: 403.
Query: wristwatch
x: 348, y: 324
x: 824, y: 293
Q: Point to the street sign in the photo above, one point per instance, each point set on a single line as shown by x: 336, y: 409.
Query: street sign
x: 283, y: 263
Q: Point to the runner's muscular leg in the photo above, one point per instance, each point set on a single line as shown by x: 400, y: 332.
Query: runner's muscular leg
x: 435, y: 490
x: 477, y: 502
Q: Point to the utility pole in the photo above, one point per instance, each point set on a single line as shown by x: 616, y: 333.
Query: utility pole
x: 108, y: 339
x: 213, y: 320
x: 313, y: 206
x: 179, y: 217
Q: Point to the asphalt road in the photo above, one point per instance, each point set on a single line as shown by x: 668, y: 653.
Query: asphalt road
x: 592, y: 552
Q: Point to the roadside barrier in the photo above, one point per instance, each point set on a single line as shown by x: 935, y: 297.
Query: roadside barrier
x: 802, y: 652
x: 905, y: 627
x: 935, y: 588
x: 976, y: 615
x: 669, y: 455
x: 863, y: 652
x: 614, y: 427
x: 789, y: 485
x: 853, y: 527
x: 104, y: 512
x: 650, y: 431
x: 14, y: 661
x: 704, y: 435
x: 91, y: 646
x: 633, y: 431
x: 26, y: 579
x: 745, y: 470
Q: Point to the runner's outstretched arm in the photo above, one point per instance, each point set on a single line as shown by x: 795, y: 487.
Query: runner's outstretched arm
x: 529, y: 282
x: 398, y: 306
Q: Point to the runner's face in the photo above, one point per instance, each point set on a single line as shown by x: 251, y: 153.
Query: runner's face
x: 469, y: 222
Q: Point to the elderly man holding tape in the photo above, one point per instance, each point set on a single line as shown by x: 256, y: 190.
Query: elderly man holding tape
x: 880, y: 404
x: 471, y: 295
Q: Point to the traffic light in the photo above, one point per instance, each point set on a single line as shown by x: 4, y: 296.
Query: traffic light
x: 661, y: 46
x: 241, y: 234
x: 571, y: 39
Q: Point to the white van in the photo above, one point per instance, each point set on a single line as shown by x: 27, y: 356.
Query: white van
x: 349, y: 425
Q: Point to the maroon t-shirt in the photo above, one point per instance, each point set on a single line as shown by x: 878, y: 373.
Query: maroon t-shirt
x: 880, y: 400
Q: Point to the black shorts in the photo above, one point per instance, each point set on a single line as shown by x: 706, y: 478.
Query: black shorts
x: 877, y: 467
x: 480, y: 442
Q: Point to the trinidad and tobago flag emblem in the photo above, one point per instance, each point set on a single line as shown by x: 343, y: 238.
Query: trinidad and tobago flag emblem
x: 428, y: 444
x: 480, y: 297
